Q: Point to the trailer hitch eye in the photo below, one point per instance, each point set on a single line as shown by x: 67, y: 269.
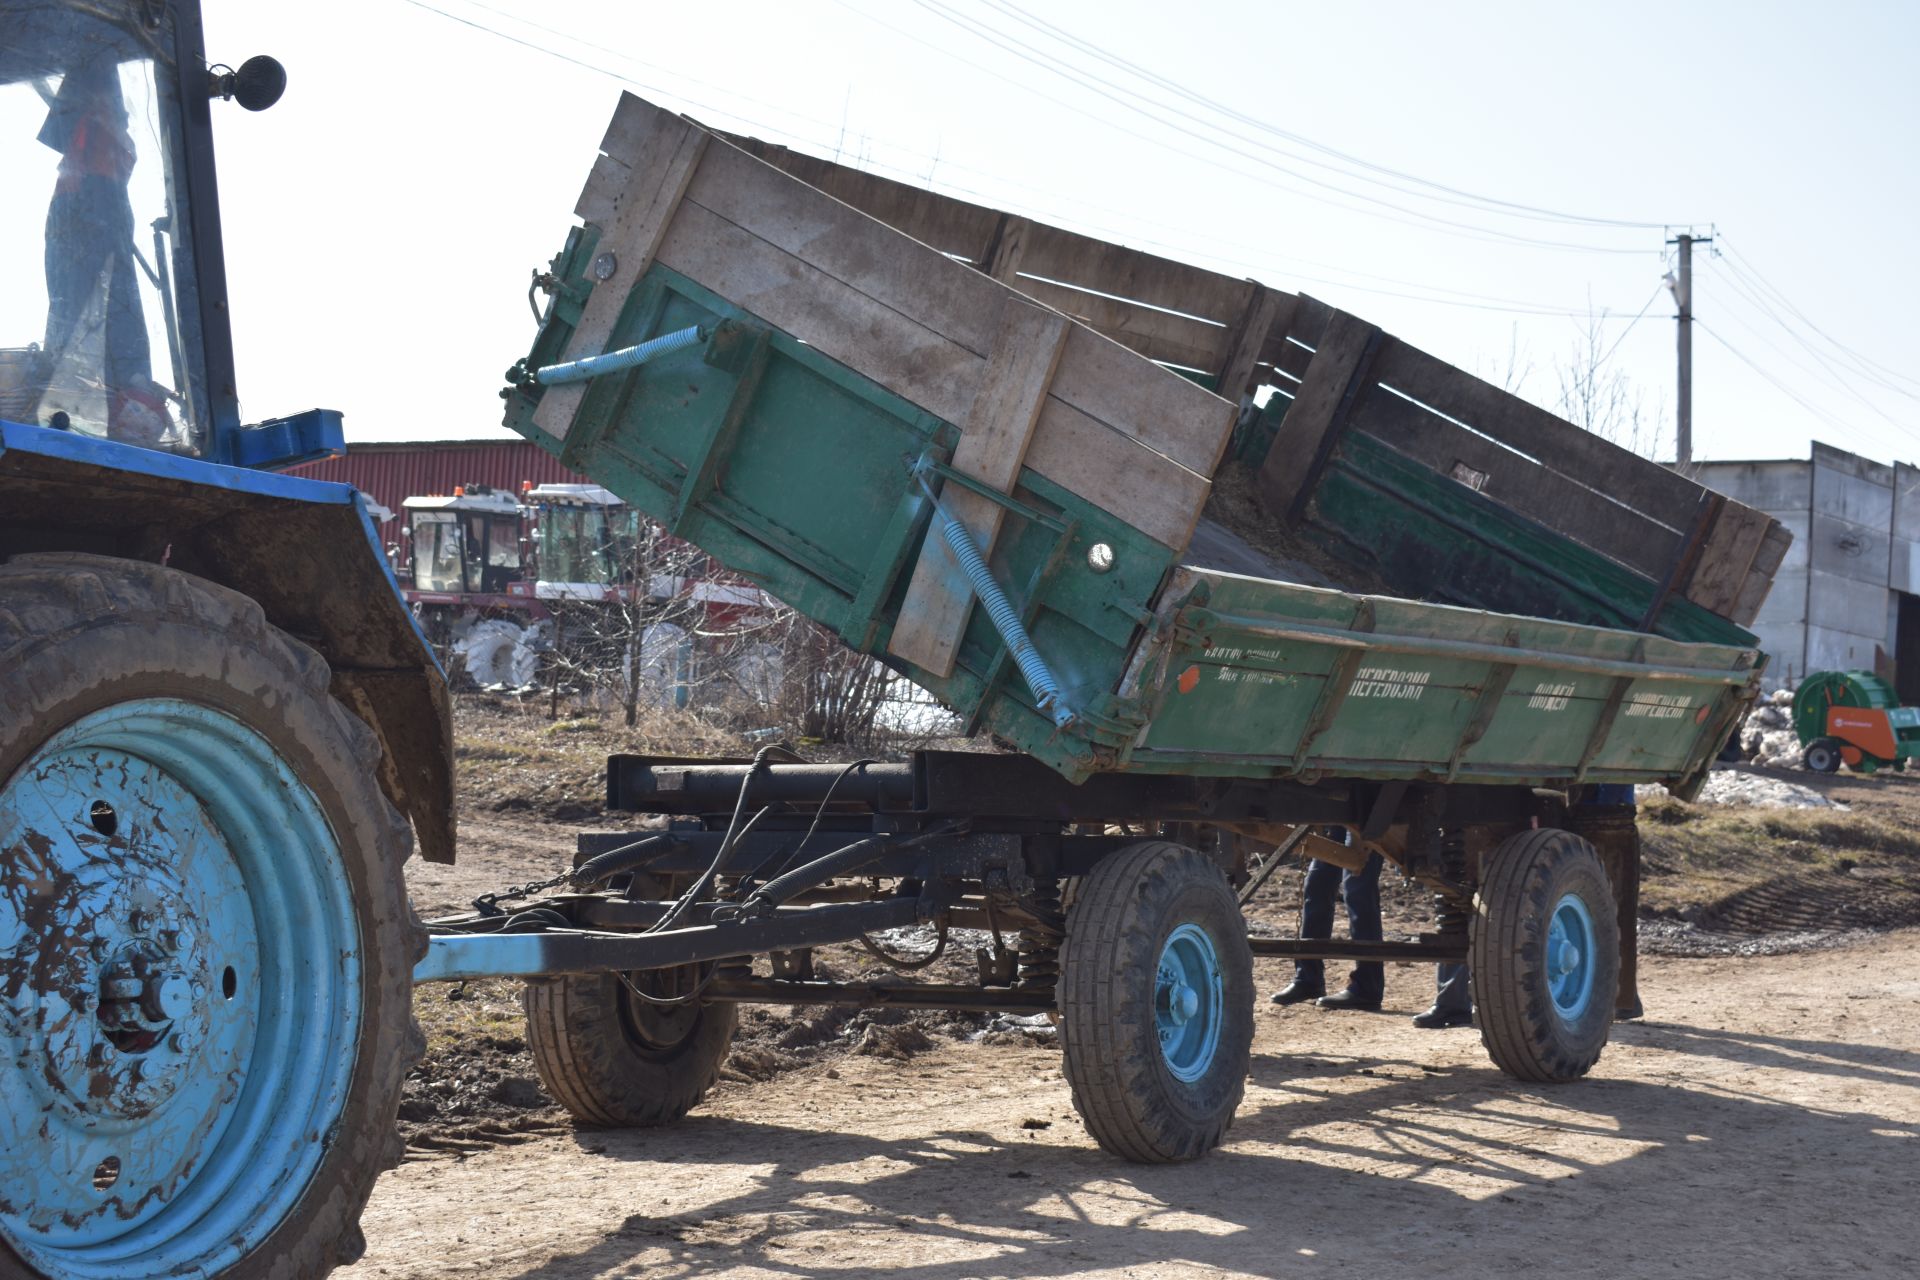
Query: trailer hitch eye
x: 256, y: 86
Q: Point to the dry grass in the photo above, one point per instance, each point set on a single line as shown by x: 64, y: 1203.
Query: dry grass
x: 1696, y: 854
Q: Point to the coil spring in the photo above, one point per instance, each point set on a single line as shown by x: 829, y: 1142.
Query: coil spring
x: 1039, y: 943
x: 1453, y: 912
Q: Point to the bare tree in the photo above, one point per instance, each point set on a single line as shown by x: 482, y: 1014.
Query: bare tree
x: 1597, y: 395
x: 827, y: 691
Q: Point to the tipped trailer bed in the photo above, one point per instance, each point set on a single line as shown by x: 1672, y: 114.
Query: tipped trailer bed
x: 949, y: 438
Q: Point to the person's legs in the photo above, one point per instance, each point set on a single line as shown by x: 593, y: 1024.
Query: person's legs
x: 1317, y: 892
x: 1452, y: 1002
x: 1361, y: 889
x: 1605, y: 816
x: 1367, y: 982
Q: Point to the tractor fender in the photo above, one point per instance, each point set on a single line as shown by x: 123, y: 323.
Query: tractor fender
x: 305, y: 550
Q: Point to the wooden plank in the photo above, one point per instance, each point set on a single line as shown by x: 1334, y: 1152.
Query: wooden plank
x: 1759, y: 585
x: 1518, y: 483
x: 1233, y: 376
x: 1159, y: 408
x: 635, y: 120
x: 1157, y: 335
x: 1597, y: 463
x: 896, y: 350
x: 1160, y: 498
x: 945, y: 223
x: 1130, y: 273
x: 1001, y: 260
x: 1163, y: 411
x: 1727, y: 558
x: 1082, y: 454
x: 1293, y: 462
x: 993, y: 445
x: 957, y: 226
x: 663, y: 152
x: 910, y: 278
x: 599, y: 199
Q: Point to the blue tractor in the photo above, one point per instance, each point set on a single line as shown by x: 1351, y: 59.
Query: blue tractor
x: 220, y: 732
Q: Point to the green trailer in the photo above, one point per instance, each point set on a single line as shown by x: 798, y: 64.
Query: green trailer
x: 932, y: 458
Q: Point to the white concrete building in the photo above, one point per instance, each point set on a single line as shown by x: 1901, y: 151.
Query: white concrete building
x: 1847, y: 596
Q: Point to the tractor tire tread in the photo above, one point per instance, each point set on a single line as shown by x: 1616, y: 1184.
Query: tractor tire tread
x: 575, y: 1032
x: 1112, y: 1059
x: 1521, y: 882
x: 58, y: 601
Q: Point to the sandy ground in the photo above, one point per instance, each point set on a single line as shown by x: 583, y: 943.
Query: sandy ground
x: 1762, y: 1122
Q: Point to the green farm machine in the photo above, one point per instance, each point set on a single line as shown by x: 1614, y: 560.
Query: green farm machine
x: 975, y: 447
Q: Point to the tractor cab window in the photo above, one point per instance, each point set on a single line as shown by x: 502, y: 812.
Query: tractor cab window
x: 96, y: 317
x: 493, y: 551
x: 503, y: 544
x: 573, y: 544
x: 439, y: 552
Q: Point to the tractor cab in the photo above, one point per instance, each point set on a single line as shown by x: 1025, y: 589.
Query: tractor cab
x: 468, y: 544
x: 113, y: 320
x: 586, y: 537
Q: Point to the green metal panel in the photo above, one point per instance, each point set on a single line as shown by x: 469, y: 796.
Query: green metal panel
x: 1430, y: 536
x: 796, y: 472
x: 1251, y: 677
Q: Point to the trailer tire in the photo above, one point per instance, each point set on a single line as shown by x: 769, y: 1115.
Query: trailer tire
x: 178, y: 788
x: 1822, y: 755
x: 1545, y: 956
x: 1156, y: 1003
x: 616, y: 1061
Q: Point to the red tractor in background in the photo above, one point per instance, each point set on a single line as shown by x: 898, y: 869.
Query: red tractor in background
x: 505, y: 583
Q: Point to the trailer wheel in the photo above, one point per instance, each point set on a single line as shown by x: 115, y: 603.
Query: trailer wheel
x: 616, y: 1059
x: 1156, y: 1003
x: 1545, y: 956
x: 1821, y: 756
x: 206, y: 951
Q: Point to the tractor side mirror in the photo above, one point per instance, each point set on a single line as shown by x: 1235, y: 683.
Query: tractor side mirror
x: 256, y: 86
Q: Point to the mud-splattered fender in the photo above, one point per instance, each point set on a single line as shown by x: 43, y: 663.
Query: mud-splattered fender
x: 306, y: 550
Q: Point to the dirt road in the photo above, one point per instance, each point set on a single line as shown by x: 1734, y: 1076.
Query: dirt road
x: 1765, y: 1121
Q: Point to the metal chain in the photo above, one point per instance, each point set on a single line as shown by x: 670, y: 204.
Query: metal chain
x: 488, y: 904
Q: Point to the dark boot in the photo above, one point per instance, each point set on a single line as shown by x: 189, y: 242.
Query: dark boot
x: 1360, y: 1001
x: 1299, y: 991
x: 1436, y: 1018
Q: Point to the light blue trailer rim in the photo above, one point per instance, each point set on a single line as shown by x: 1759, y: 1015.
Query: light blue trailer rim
x: 1189, y: 1002
x: 1570, y: 946
x: 183, y: 1043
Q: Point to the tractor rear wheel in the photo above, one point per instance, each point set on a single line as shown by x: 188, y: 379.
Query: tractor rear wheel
x: 627, y: 1051
x: 1156, y: 1003
x: 1821, y: 756
x: 206, y: 949
x: 1544, y: 952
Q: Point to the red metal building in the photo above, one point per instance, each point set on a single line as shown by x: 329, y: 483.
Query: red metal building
x: 390, y: 472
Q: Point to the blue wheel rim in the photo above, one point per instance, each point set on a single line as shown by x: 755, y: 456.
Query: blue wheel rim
x: 1189, y: 1002
x: 181, y: 1049
x: 1570, y: 948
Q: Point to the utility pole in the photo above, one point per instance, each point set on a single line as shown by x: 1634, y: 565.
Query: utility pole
x: 1683, y: 295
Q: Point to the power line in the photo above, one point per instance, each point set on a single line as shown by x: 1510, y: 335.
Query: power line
x: 1742, y: 266
x: 1035, y: 57
x: 1834, y: 377
x: 1785, y: 390
x: 1416, y: 220
x: 1457, y: 298
x: 1466, y: 199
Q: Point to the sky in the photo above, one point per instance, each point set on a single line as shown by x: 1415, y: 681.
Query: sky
x: 1494, y: 182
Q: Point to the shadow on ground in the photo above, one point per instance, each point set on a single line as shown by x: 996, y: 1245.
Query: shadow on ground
x: 1455, y: 1170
